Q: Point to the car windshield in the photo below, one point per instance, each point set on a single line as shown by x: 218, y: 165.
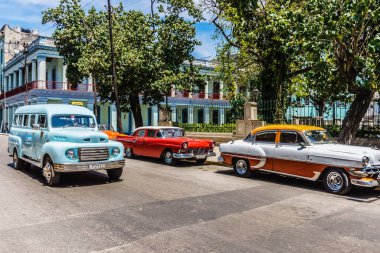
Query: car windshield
x: 73, y: 121
x: 171, y: 132
x: 319, y: 137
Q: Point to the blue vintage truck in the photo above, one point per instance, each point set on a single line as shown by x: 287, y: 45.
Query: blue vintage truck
x: 61, y: 139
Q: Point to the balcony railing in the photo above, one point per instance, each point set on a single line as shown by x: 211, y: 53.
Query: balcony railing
x: 47, y: 85
x: 199, y: 95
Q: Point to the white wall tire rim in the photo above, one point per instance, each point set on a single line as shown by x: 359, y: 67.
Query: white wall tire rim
x: 241, y: 167
x: 335, y: 181
x: 168, y: 157
x: 128, y: 152
x: 47, y: 171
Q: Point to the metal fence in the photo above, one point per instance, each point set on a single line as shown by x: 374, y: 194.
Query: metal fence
x: 303, y: 112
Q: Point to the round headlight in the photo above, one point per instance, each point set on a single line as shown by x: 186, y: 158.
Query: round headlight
x: 212, y: 144
x: 70, y: 154
x: 185, y: 145
x: 115, y: 152
x: 365, y: 161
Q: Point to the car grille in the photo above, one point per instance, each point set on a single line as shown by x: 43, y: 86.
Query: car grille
x: 93, y: 154
x: 198, y: 151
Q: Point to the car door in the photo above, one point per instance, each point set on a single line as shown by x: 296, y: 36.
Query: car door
x: 150, y: 147
x: 138, y: 141
x: 267, y: 141
x: 39, y: 138
x: 27, y: 137
x: 31, y: 134
x: 289, y: 156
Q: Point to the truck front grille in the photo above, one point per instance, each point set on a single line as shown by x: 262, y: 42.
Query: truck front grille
x: 93, y: 154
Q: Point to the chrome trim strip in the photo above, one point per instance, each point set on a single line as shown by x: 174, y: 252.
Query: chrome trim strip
x: 314, y: 178
x: 191, y: 155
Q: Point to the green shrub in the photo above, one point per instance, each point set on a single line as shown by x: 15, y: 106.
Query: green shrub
x: 210, y: 128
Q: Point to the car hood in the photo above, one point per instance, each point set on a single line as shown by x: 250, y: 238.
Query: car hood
x: 78, y: 135
x: 346, y: 151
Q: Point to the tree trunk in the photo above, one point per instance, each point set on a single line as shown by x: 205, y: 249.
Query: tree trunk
x: 355, y: 115
x: 136, y: 110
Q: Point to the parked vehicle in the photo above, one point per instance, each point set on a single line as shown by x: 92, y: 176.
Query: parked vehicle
x: 110, y: 131
x: 60, y: 139
x: 305, y: 152
x: 167, y: 143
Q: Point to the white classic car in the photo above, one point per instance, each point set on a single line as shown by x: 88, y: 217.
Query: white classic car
x: 305, y: 152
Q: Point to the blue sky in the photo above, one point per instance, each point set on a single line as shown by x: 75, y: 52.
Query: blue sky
x: 27, y: 13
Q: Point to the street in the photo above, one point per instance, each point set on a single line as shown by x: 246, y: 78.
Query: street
x: 187, y: 208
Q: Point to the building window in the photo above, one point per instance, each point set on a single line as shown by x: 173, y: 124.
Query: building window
x: 215, y: 117
x: 200, y: 116
x: 184, y: 115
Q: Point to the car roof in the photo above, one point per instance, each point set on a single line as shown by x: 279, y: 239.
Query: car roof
x: 287, y: 127
x: 52, y: 109
x: 157, y: 127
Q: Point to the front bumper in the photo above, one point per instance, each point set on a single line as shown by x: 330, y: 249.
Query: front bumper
x: 88, y: 166
x: 192, y: 156
x: 370, y: 183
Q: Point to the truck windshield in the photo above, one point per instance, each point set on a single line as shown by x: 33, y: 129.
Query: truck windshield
x: 319, y: 137
x: 73, y: 121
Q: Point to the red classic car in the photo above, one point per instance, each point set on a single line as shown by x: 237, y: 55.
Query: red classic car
x: 167, y: 143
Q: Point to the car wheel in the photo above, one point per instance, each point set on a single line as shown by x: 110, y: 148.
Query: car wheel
x: 241, y: 168
x: 168, y: 158
x: 115, y: 174
x: 201, y: 161
x: 129, y: 153
x: 51, y: 177
x: 18, y: 164
x: 336, y: 181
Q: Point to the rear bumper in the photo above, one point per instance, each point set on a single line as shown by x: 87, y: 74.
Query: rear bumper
x: 88, y: 166
x: 192, y: 156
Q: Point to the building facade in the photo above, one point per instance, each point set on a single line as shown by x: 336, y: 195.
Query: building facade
x: 33, y: 72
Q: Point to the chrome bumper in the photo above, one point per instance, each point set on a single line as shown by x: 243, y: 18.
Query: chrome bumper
x: 88, y: 166
x: 365, y: 183
x: 192, y: 156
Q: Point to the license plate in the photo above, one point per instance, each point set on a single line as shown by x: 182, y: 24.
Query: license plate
x: 97, y: 166
x: 200, y: 156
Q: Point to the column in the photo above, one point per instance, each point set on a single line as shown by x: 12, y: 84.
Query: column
x: 41, y: 72
x: 190, y: 115
x: 113, y: 118
x: 64, y: 79
x: 221, y: 89
x: 174, y: 113
x: 90, y: 107
x: 34, y: 70
x: 90, y: 82
x: 172, y: 91
x: 14, y: 80
x: 207, y: 87
x: 155, y: 115
x: 20, y: 81
x: 221, y: 116
x: 206, y: 115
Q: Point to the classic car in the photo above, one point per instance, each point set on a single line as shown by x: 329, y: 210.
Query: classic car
x: 168, y: 143
x: 110, y: 131
x: 60, y: 139
x: 305, y: 152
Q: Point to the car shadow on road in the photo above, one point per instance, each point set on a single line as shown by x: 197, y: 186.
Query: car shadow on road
x: 357, y: 194
x: 77, y: 179
x: 180, y: 163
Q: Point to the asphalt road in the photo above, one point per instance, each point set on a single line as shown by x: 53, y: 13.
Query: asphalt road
x: 188, y: 208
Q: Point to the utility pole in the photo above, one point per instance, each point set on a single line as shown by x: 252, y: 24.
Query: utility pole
x: 114, y: 85
x: 25, y: 45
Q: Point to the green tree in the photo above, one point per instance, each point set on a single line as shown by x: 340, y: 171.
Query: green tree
x: 150, y: 50
x: 267, y: 39
x: 347, y: 37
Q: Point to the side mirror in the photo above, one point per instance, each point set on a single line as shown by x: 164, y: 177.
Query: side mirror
x: 302, y: 144
x: 36, y: 127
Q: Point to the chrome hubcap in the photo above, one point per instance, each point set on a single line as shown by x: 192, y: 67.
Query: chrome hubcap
x: 241, y: 167
x: 128, y: 152
x: 168, y: 157
x: 47, y: 171
x: 334, y: 181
